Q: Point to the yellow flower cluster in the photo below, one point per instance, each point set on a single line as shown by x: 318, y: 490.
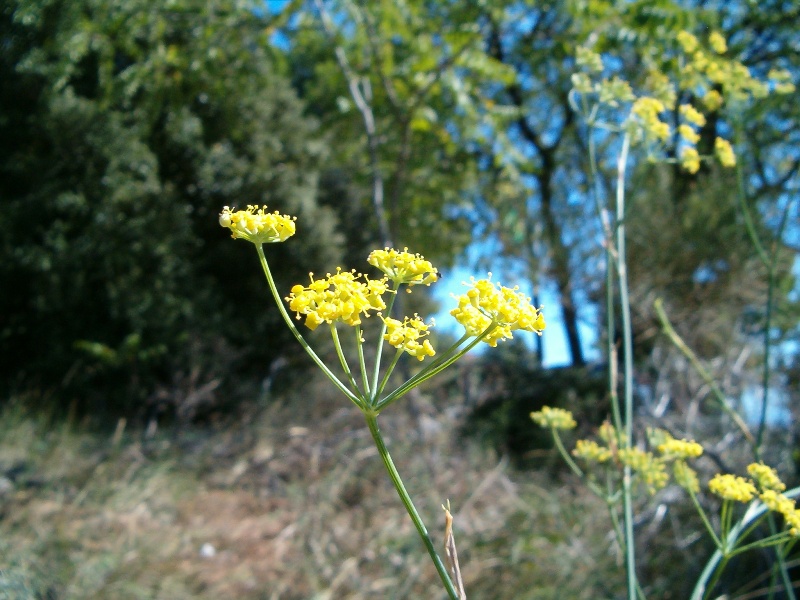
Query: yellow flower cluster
x: 652, y: 471
x: 591, y: 451
x: 717, y: 42
x: 690, y: 159
x: 692, y: 115
x: 615, y: 90
x: 404, y: 267
x: 703, y: 70
x: 680, y: 449
x: 649, y: 467
x: 644, y: 113
x: 712, y: 100
x: 588, y: 59
x: 782, y: 80
x: 554, y: 418
x: 338, y: 297
x: 767, y: 485
x: 706, y: 70
x: 724, y: 152
x: 732, y: 487
x: 688, y: 42
x: 777, y: 502
x: 407, y: 335
x: 486, y: 305
x: 689, y: 156
x: 256, y: 225
x: 685, y: 476
x: 688, y: 134
x: 766, y: 477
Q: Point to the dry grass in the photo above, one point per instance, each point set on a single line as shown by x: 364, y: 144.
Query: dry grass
x: 293, y: 504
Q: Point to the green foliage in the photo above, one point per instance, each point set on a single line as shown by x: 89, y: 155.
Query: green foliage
x: 413, y: 64
x: 125, y: 127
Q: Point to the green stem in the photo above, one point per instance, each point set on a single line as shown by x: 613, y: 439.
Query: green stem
x: 771, y: 283
x: 379, y: 354
x: 574, y: 466
x: 670, y: 332
x: 769, y: 262
x: 704, y: 518
x: 372, y: 423
x: 627, y: 353
x: 385, y: 379
x: 362, y: 364
x: 317, y: 360
x: 434, y: 368
x: 342, y: 359
x: 608, y: 235
x: 756, y: 510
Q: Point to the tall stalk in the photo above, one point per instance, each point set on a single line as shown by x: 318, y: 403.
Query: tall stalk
x: 627, y: 356
x: 614, y: 238
x: 394, y: 475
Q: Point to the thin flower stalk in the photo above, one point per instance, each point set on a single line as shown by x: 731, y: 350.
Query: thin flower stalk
x: 309, y: 350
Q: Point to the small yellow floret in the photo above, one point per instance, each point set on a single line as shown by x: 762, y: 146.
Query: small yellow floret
x: 589, y: 59
x: 652, y: 471
x: 712, y: 100
x: 692, y: 115
x: 687, y: 41
x: 690, y: 159
x: 404, y: 267
x: 689, y: 134
x: 724, y: 152
x: 680, y: 449
x: 256, y: 225
x: 591, y: 451
x: 496, y: 309
x: 717, y: 42
x: 646, y: 110
x: 777, y: 502
x: 554, y: 418
x: 338, y: 297
x: 685, y: 477
x: 407, y: 336
x: 766, y: 477
x: 731, y: 487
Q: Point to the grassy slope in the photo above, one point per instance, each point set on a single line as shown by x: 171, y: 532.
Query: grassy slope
x: 294, y: 503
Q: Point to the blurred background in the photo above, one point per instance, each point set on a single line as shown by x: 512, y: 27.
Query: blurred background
x: 163, y: 435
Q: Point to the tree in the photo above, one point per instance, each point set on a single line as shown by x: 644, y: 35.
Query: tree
x: 126, y: 126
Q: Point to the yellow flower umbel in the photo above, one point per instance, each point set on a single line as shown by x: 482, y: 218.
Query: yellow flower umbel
x: 338, y: 297
x: 407, y: 335
x: 685, y: 477
x: 644, y: 115
x: 651, y: 470
x: 554, y: 418
x: 673, y: 449
x: 724, y: 152
x: 404, y: 267
x: 591, y: 451
x: 690, y: 159
x: 495, y: 312
x: 766, y: 477
x: 688, y: 42
x: 717, y: 42
x: 731, y: 487
x: 257, y: 225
